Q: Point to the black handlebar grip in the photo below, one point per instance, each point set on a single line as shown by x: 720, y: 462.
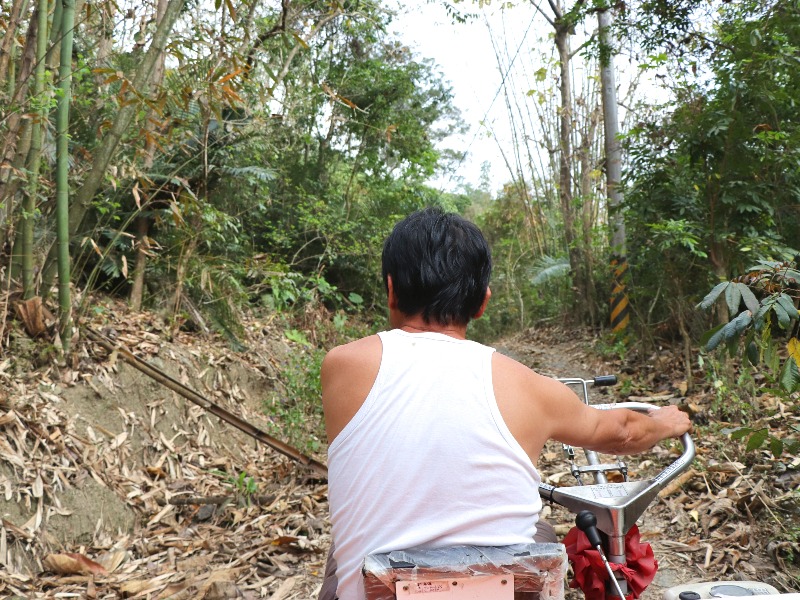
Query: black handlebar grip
x: 602, y: 380
x: 587, y: 523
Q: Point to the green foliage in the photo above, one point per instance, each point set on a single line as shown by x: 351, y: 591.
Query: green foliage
x: 244, y: 486
x: 549, y: 267
x: 711, y: 180
x: 757, y: 333
x: 295, y: 411
x: 733, y: 396
x: 527, y: 284
x: 774, y: 282
x: 616, y: 348
x: 293, y: 291
x: 756, y: 438
x: 302, y: 169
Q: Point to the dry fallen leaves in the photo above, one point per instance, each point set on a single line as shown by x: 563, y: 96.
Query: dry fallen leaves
x: 71, y: 563
x: 174, y: 468
x: 128, y: 436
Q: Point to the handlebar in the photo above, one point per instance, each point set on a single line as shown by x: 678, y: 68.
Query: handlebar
x: 618, y: 505
x: 681, y: 463
x: 602, y: 380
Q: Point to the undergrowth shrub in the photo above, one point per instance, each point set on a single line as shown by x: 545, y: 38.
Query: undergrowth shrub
x: 295, y: 409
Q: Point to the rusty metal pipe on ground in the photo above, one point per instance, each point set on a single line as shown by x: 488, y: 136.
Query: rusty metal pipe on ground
x: 194, y: 397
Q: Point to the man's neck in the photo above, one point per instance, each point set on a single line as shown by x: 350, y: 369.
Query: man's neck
x: 416, y: 324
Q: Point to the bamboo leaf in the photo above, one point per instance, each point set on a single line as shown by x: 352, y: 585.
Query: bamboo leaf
x: 300, y: 40
x: 231, y: 94
x: 136, y: 196
x: 706, y: 302
x: 231, y: 9
x: 270, y: 73
x: 72, y: 564
x: 229, y: 76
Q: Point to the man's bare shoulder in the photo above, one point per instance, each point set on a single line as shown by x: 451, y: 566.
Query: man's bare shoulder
x: 512, y: 372
x: 532, y: 405
x: 348, y: 373
x: 353, y: 353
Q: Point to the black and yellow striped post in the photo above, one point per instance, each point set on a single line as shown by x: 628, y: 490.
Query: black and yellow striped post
x: 620, y: 311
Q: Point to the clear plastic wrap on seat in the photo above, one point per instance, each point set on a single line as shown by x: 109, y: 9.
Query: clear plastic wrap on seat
x: 538, y: 569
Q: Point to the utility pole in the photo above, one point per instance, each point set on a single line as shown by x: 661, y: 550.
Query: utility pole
x: 620, y: 311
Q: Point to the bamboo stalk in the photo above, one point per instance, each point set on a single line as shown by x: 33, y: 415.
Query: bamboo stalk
x: 62, y: 176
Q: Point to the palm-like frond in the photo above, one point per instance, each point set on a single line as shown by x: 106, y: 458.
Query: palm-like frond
x: 549, y: 267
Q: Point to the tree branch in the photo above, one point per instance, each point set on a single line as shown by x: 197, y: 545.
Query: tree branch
x: 538, y: 8
x: 279, y: 27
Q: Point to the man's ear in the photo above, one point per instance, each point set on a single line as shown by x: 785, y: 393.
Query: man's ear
x: 390, y: 290
x: 485, y: 302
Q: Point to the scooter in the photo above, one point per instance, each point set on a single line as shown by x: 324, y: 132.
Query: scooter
x: 606, y: 513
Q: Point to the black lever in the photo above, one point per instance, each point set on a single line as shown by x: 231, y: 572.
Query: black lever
x: 587, y: 523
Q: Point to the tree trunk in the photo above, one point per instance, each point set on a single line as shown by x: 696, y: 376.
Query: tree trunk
x: 588, y: 212
x: 62, y: 176
x: 620, y: 313
x: 7, y: 44
x: 13, y: 152
x: 54, y: 53
x: 565, y: 166
x: 142, y: 222
x: 719, y: 263
x: 142, y: 227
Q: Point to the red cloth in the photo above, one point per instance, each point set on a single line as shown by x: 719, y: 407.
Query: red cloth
x: 590, y: 574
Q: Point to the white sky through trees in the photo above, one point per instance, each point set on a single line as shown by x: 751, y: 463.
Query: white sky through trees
x: 465, y: 53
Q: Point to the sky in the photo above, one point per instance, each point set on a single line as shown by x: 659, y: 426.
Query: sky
x: 466, y: 55
x: 467, y: 59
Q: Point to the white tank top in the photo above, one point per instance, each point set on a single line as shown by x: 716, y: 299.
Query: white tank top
x: 427, y: 460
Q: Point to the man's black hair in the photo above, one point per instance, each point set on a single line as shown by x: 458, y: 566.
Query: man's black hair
x: 440, y: 265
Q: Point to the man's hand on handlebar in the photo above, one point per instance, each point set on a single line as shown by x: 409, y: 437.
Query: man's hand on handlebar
x: 673, y: 419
